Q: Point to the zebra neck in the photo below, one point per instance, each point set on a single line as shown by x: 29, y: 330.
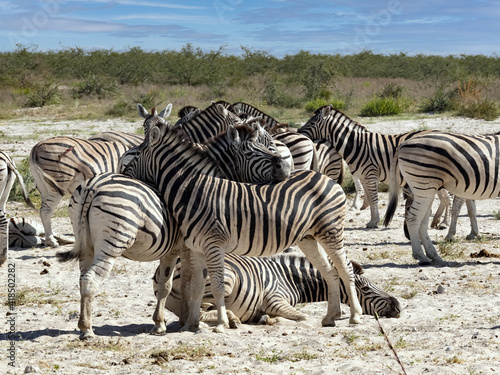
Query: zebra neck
x: 345, y: 134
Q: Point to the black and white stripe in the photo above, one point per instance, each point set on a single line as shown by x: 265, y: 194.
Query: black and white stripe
x: 8, y: 174
x: 268, y: 287
x: 115, y: 215
x: 217, y: 216
x: 368, y: 154
x: 466, y: 166
x: 58, y: 165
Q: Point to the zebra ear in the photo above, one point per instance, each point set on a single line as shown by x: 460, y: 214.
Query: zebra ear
x: 233, y: 135
x: 222, y: 110
x: 154, y: 135
x: 142, y: 111
x: 166, y: 112
x: 326, y: 110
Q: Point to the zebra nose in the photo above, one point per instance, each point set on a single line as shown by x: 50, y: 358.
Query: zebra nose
x: 281, y: 170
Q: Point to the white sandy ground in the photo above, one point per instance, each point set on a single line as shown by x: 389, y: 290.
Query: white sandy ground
x: 456, y: 331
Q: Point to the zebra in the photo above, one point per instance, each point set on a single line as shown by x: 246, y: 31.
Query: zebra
x: 25, y: 232
x: 217, y: 216
x: 466, y: 166
x: 368, y: 154
x: 116, y: 215
x: 259, y: 289
x: 8, y: 174
x: 59, y: 164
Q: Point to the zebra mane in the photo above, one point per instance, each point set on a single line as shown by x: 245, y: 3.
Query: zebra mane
x: 341, y: 115
x: 240, y: 112
x: 281, y: 128
x: 186, y: 110
x: 242, y: 128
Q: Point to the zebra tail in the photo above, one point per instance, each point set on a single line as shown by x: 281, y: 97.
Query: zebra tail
x: 39, y: 171
x: 394, y: 186
x: 26, y: 195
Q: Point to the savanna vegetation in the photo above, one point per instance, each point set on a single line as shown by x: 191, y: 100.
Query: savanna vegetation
x: 88, y: 84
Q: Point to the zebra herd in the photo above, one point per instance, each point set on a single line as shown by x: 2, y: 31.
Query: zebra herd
x: 225, y: 190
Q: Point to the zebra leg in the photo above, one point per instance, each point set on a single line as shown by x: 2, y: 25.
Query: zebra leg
x: 282, y: 308
x: 197, y: 288
x: 419, y: 208
x: 471, y: 211
x: 444, y: 206
x: 371, y: 194
x: 90, y: 279
x: 215, y: 265
x: 167, y: 268
x: 185, y: 291
x: 46, y: 210
x: 323, y: 260
x: 358, y: 188
x: 4, y: 237
x: 455, y: 211
x: 430, y: 250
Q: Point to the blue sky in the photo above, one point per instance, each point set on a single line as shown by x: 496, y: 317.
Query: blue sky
x: 278, y: 27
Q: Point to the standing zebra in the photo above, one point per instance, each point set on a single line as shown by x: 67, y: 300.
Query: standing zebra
x: 115, y: 215
x: 8, y: 174
x: 59, y: 164
x: 217, y: 216
x: 467, y: 166
x: 260, y: 288
x: 369, y: 155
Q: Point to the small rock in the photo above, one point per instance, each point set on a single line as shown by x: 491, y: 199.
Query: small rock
x: 28, y: 369
x: 440, y: 289
x: 449, y: 349
x: 44, y: 271
x: 475, y: 335
x: 46, y: 264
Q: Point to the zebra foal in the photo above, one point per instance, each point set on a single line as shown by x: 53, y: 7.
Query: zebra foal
x: 8, y: 174
x: 466, y: 166
x: 115, y: 215
x: 217, y: 216
x: 257, y: 289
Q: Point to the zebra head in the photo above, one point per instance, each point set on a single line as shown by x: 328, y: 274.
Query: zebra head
x: 375, y: 300
x: 241, y: 156
x: 154, y: 117
x: 312, y: 128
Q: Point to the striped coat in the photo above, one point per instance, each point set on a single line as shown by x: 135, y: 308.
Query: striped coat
x: 217, y: 216
x: 258, y: 288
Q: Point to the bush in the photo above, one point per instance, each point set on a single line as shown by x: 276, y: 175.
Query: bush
x: 392, y: 90
x: 120, y: 109
x: 481, y: 109
x: 42, y: 94
x: 95, y: 85
x: 381, y: 107
x: 441, y: 101
x: 313, y: 105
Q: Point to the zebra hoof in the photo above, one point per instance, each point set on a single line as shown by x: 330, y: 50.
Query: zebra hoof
x: 158, y: 331
x: 355, y: 319
x: 328, y: 322
x: 219, y: 329
x: 87, y: 335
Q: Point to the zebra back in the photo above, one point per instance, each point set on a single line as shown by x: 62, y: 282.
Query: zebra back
x: 328, y: 161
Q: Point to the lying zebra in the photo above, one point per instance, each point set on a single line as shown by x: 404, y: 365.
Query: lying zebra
x: 257, y: 289
x: 25, y: 233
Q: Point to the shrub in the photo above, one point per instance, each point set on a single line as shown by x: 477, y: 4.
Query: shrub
x: 442, y: 100
x: 313, y: 105
x: 42, y: 94
x: 95, y: 85
x: 392, y: 90
x: 481, y: 109
x: 119, y: 109
x: 381, y: 107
